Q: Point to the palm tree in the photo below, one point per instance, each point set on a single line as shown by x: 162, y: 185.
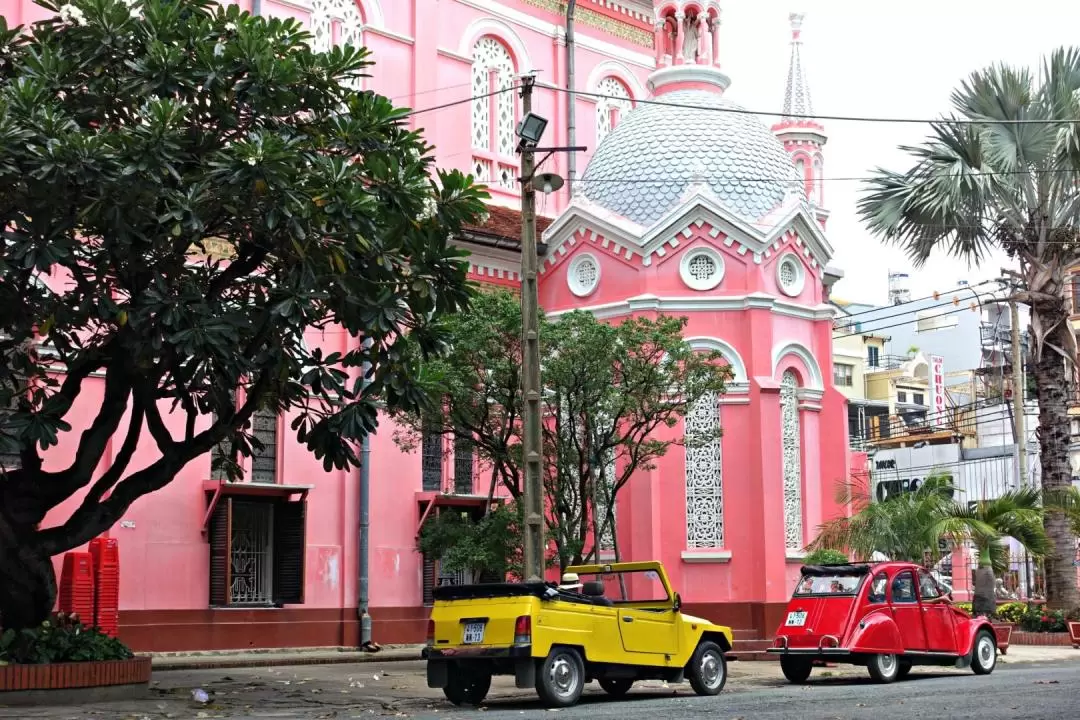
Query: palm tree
x: 1001, y: 172
x: 906, y: 526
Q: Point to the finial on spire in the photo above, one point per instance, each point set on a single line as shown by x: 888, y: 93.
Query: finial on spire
x: 796, y: 20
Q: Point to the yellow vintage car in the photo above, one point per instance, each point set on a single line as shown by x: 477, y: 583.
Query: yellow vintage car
x: 621, y: 623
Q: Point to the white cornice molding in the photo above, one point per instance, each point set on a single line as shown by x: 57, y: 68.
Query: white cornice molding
x: 383, y: 32
x: 706, y: 556
x: 551, y: 30
x: 454, y: 55
x: 704, y: 74
x: 697, y: 303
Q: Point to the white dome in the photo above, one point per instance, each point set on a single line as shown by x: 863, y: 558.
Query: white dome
x: 643, y: 167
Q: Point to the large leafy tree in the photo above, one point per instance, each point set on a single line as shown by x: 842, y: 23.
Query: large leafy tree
x: 910, y: 524
x: 1001, y: 172
x: 135, y: 137
x: 612, y: 395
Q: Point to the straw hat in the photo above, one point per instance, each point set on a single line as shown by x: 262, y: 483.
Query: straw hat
x: 570, y: 581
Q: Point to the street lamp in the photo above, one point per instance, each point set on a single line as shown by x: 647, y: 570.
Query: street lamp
x: 530, y: 130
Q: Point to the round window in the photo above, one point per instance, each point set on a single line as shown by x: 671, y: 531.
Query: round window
x: 701, y: 269
x: 790, y: 275
x: 583, y: 275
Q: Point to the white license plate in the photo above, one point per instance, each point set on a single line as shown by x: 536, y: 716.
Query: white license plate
x: 796, y: 619
x: 474, y: 633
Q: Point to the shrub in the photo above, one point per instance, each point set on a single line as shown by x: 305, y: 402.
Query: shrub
x: 1040, y: 619
x: 965, y: 606
x: 1012, y: 612
x: 826, y: 556
x: 62, y: 639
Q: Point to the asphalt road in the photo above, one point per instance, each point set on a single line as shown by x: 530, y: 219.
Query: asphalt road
x: 1032, y: 692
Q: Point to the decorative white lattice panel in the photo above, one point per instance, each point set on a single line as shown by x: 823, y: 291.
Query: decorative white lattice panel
x: 604, y: 506
x: 791, y: 442
x: 606, y: 107
x: 704, y: 476
x: 492, y: 69
x: 345, y: 15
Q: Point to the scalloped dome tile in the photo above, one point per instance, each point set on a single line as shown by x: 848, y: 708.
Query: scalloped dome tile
x: 644, y: 165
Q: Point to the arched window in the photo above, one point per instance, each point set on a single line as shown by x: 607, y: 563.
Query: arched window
x: 800, y: 168
x: 493, y: 117
x: 818, y: 188
x: 610, y: 109
x: 791, y: 443
x: 336, y: 22
x: 704, y: 475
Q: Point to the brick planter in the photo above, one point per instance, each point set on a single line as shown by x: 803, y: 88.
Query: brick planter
x: 69, y: 676
x: 1074, y: 634
x: 1047, y: 639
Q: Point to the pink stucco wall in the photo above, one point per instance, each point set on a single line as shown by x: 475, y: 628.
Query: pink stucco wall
x: 423, y: 64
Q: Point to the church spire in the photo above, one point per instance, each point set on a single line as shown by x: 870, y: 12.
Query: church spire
x: 797, y: 95
x: 802, y: 135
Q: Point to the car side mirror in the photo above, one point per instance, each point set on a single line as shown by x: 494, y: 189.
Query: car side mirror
x: 678, y: 603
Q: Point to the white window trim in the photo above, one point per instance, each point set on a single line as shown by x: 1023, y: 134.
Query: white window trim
x: 694, y: 283
x: 571, y: 275
x: 796, y: 288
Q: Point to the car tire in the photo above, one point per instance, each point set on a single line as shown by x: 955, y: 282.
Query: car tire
x: 560, y: 678
x: 984, y: 653
x: 883, y: 668
x: 466, y: 686
x: 903, y: 670
x: 796, y: 669
x: 616, y: 687
x: 707, y: 670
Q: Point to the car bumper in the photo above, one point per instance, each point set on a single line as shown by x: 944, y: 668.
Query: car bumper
x: 810, y: 652
x: 480, y: 653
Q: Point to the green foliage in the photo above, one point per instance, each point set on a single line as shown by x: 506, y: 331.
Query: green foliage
x: 488, y: 547
x: 965, y: 606
x: 611, y: 391
x: 206, y: 188
x: 826, y: 556
x: 1013, y: 612
x: 57, y: 641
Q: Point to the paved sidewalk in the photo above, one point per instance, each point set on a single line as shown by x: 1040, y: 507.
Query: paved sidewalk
x: 276, y: 658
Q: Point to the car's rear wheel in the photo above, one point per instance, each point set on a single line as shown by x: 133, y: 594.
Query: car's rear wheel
x: 903, y: 670
x: 883, y: 668
x: 707, y: 669
x: 796, y: 669
x: 561, y: 677
x: 984, y: 653
x: 466, y: 685
x: 616, y: 687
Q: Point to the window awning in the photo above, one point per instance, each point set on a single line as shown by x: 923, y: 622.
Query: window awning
x: 217, y: 489
x: 428, y: 501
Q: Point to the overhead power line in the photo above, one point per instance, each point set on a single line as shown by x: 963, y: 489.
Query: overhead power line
x: 933, y: 296
x: 871, y: 331
x: 840, y: 118
x: 462, y: 101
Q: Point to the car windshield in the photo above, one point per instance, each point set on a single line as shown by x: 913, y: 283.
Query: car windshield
x: 637, y: 586
x: 828, y: 585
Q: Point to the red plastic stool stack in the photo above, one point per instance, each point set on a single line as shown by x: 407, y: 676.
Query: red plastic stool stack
x: 77, y: 586
x: 106, y: 556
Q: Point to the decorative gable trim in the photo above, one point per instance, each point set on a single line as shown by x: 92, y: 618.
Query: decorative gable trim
x: 586, y: 236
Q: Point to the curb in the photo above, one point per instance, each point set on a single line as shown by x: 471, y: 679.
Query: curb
x: 216, y: 663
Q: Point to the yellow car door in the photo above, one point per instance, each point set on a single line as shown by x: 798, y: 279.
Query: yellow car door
x: 649, y: 631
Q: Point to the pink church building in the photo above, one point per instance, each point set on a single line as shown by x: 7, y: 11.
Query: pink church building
x: 684, y: 204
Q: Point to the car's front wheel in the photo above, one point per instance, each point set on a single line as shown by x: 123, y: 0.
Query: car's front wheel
x: 883, y: 668
x: 796, y: 669
x: 984, y: 653
x: 616, y: 687
x: 561, y: 678
x: 465, y: 685
x: 708, y: 669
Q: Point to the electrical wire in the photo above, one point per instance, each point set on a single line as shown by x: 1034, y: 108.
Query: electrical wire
x: 907, y: 312
x: 462, y: 101
x: 897, y: 324
x: 796, y: 116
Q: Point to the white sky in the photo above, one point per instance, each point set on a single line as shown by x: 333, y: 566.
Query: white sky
x: 882, y: 59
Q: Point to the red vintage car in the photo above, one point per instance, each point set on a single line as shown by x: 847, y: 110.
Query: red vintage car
x: 887, y: 616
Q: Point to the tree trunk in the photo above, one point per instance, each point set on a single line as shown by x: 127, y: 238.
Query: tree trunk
x: 27, y: 579
x: 985, y: 600
x: 1051, y: 385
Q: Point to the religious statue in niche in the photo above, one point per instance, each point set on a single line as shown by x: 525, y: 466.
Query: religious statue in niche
x: 687, y: 38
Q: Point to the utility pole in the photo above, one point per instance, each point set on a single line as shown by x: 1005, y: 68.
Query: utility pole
x: 1019, y: 429
x: 530, y: 349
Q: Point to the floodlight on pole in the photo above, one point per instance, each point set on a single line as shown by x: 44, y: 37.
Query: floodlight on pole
x: 531, y: 129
